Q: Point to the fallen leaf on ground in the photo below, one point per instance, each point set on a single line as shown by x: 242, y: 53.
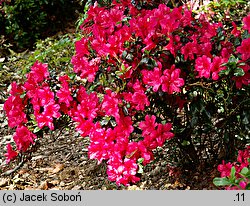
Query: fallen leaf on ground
x: 59, y: 167
x: 3, y: 182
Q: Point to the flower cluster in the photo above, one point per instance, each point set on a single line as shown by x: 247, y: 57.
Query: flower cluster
x: 242, y: 162
x: 129, y: 58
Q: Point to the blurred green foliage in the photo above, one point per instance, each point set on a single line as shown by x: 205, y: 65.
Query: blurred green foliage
x: 56, y: 51
x: 23, y: 22
x: 227, y: 10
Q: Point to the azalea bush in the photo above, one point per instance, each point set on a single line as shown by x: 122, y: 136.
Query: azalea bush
x: 144, y: 78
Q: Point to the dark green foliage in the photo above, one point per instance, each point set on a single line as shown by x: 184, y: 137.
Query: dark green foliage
x: 25, y: 21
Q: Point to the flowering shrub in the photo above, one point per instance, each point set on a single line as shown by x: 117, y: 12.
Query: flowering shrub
x: 235, y: 176
x: 147, y: 75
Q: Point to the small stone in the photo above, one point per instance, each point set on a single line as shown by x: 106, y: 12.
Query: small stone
x: 62, y: 183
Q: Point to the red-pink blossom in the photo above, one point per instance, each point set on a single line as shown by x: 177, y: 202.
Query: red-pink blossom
x: 243, y: 80
x: 189, y: 50
x: 14, y: 108
x: 152, y: 78
x: 124, y: 126
x: 85, y: 68
x: 148, y: 126
x: 122, y: 171
x: 225, y: 169
x: 16, y: 89
x: 235, y: 31
x: 244, y: 49
x: 64, y: 93
x: 140, y: 99
x: 171, y: 81
x: 243, y: 185
x: 101, y: 144
x: 46, y: 117
x: 45, y: 95
x: 81, y: 47
x: 11, y: 154
x: 246, y: 21
x: 163, y: 133
x: 216, y: 67
x: 23, y: 138
x: 39, y: 72
x: 203, y: 66
x: 110, y: 104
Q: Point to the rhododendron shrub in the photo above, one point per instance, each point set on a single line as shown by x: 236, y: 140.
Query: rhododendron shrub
x: 148, y: 77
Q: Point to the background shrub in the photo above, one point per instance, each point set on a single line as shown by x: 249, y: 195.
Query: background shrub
x: 25, y: 21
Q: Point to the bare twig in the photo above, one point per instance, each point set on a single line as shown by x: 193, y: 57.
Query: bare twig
x: 9, y: 172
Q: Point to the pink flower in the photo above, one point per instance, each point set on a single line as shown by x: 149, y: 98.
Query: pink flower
x: 189, y: 50
x: 84, y: 127
x: 85, y: 68
x: 39, y: 72
x: 163, y: 133
x: 64, y: 96
x: 16, y: 89
x: 243, y: 185
x: 246, y: 22
x: 31, y: 86
x: 140, y: 99
x: 148, y: 126
x: 216, y: 67
x: 235, y: 31
x: 145, y: 151
x: 14, y: 108
x: 11, y: 154
x: 122, y: 171
x: 45, y: 95
x: 203, y: 66
x: 243, y: 80
x: 244, y: 49
x: 171, y: 81
x: 101, y: 144
x: 110, y: 104
x: 243, y: 156
x: 23, y: 138
x: 225, y: 169
x: 46, y: 117
x: 124, y: 126
x: 64, y: 93
x: 81, y: 47
x: 152, y: 78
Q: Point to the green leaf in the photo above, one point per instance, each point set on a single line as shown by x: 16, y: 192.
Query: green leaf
x: 221, y: 181
x: 37, y: 129
x: 232, y: 59
x: 232, y: 175
x: 22, y: 95
x: 140, y: 170
x: 248, y: 186
x: 185, y: 143
x: 244, y: 171
x: 113, y: 122
x: 118, y: 73
x: 239, y: 72
x: 140, y: 160
x: 224, y: 72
